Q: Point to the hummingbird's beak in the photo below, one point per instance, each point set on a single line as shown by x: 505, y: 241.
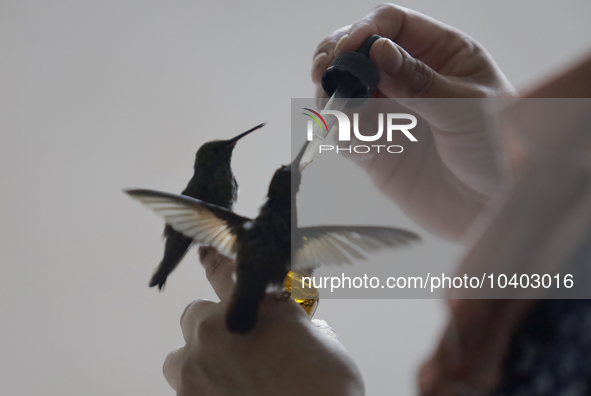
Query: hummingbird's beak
x: 232, y: 142
x: 298, y: 159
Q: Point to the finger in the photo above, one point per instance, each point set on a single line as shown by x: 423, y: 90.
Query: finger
x: 274, y: 307
x: 424, y: 38
x: 471, y: 354
x: 324, y: 53
x: 409, y: 62
x: 403, y: 76
x: 575, y: 82
x: 172, y: 367
x: 328, y: 44
x: 321, y: 97
x: 219, y: 270
x: 444, y: 386
x: 531, y: 125
x: 547, y: 224
x: 194, y: 313
x: 478, y: 337
x: 319, y: 65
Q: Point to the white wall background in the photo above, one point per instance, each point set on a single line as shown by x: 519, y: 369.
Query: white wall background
x: 98, y: 96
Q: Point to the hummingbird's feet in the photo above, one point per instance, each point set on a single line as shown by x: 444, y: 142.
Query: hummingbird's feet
x: 283, y: 296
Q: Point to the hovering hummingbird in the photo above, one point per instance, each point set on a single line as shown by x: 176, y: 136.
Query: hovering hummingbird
x: 268, y: 247
x: 213, y: 182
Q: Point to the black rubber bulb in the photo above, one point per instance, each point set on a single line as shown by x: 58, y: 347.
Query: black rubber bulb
x: 352, y: 74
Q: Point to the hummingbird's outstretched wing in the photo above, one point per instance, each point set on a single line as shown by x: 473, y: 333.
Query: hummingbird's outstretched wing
x: 332, y: 244
x: 203, y: 222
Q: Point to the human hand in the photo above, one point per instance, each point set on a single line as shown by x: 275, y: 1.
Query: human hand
x: 418, y: 57
x: 443, y: 182
x: 550, y: 116
x: 284, y: 354
x: 534, y: 228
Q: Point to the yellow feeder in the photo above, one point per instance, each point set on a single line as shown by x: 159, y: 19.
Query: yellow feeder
x: 310, y: 294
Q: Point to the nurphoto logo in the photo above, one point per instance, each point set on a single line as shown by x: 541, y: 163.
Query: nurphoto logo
x: 392, y: 121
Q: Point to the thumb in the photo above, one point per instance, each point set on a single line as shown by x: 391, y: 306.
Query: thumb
x: 401, y: 75
x: 218, y: 269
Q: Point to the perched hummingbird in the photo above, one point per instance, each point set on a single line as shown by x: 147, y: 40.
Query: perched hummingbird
x: 267, y: 247
x: 212, y: 182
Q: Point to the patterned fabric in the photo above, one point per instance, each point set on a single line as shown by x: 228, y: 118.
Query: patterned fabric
x: 551, y: 352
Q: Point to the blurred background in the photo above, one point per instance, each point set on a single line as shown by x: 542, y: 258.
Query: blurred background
x: 100, y: 96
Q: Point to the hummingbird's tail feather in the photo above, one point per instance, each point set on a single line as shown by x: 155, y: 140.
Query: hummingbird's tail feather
x: 175, y: 248
x: 244, y: 307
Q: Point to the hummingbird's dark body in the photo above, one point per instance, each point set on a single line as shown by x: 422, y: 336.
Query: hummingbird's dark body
x: 264, y: 250
x: 270, y: 245
x: 213, y: 182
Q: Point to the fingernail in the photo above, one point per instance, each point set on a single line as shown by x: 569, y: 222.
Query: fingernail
x: 340, y: 42
x: 390, y: 57
x: 316, y: 66
x: 203, y: 249
x: 318, y: 57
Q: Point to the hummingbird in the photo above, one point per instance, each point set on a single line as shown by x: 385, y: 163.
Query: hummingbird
x: 268, y: 247
x: 213, y: 182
